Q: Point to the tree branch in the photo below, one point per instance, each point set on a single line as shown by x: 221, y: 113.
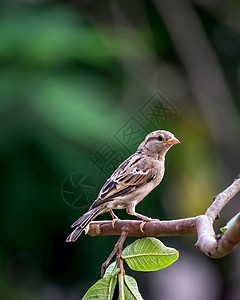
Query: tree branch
x: 222, y: 199
x: 154, y: 228
x: 212, y: 245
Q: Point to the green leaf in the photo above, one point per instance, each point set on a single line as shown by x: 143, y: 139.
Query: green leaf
x: 112, y: 270
x: 229, y: 223
x: 131, y: 291
x: 149, y: 254
x: 102, y: 290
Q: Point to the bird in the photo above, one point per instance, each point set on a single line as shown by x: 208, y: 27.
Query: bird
x: 131, y: 182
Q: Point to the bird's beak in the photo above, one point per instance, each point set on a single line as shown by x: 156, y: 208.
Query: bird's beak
x: 173, y: 141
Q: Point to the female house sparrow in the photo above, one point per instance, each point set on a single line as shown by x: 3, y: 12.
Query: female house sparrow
x: 135, y: 178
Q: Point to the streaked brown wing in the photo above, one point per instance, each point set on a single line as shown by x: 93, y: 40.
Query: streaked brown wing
x: 135, y: 173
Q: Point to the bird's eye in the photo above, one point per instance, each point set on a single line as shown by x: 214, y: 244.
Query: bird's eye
x: 160, y: 138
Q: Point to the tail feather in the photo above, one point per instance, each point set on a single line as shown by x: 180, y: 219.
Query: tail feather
x: 84, y: 219
x: 81, y: 224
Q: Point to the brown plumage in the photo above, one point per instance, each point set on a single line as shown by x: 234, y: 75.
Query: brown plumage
x: 136, y: 177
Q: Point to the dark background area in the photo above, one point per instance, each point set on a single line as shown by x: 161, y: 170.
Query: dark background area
x: 81, y: 84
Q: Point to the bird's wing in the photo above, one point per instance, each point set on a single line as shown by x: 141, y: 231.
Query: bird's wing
x: 131, y: 174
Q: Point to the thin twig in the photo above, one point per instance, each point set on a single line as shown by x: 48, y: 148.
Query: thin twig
x: 107, y: 261
x: 116, y: 250
x: 121, y: 241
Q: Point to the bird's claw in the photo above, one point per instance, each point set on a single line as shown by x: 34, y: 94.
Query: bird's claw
x: 142, y: 224
x: 145, y: 221
x: 114, y: 221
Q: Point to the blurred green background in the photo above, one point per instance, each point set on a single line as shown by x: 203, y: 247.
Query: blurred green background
x: 81, y: 83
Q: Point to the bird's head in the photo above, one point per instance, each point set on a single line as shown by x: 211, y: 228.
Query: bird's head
x: 158, y: 143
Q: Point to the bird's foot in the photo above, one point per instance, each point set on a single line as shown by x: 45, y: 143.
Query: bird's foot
x: 115, y: 218
x: 114, y: 221
x: 145, y: 221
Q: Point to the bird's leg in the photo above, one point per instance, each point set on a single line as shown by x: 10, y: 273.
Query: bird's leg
x: 144, y: 218
x: 115, y: 218
x: 131, y: 211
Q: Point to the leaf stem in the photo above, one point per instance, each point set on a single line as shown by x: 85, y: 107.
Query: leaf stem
x: 121, y: 287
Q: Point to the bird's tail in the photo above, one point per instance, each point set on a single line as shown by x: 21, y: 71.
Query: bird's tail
x: 82, y: 223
